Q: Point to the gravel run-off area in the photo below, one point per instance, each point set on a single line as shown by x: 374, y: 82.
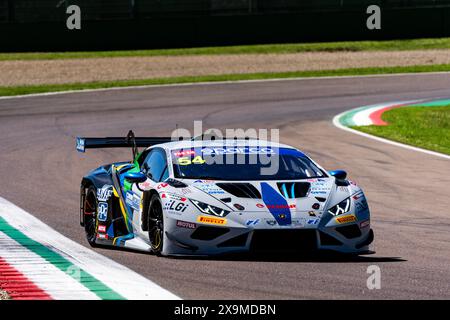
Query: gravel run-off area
x: 36, y: 72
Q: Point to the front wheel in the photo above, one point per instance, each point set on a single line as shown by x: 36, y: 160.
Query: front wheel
x: 156, y: 224
x: 90, y: 215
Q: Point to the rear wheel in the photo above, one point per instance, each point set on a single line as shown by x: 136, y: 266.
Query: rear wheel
x: 156, y: 224
x: 90, y: 215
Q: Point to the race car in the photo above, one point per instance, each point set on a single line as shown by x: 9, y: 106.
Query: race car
x: 208, y: 197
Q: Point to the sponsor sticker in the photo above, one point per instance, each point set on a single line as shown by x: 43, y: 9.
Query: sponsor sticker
x: 252, y: 222
x: 175, y: 206
x: 183, y: 153
x: 364, y: 224
x: 271, y: 222
x: 146, y: 185
x: 319, y: 192
x: 133, y: 200
x: 212, y: 220
x: 176, y: 197
x: 316, y: 206
x: 313, y: 221
x: 210, y: 188
x: 162, y: 185
x: 102, y: 211
x: 361, y: 205
x: 298, y: 222
x: 346, y: 219
x: 238, y: 150
x: 185, y: 224
x: 104, y: 193
x: 101, y: 229
x: 281, y: 206
x: 358, y: 196
x: 202, y: 181
x: 276, y: 206
x: 102, y: 236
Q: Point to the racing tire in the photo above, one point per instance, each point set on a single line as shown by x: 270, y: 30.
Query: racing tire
x: 156, y: 224
x: 90, y: 215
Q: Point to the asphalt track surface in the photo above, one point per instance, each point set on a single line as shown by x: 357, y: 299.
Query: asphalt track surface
x: 408, y: 191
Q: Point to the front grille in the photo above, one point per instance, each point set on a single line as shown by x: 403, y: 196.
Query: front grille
x: 327, y: 240
x: 241, y: 190
x: 284, y: 241
x: 208, y: 233
x: 350, y: 232
x: 238, y: 241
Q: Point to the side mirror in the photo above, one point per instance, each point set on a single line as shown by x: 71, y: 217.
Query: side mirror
x: 338, y: 174
x: 135, y: 177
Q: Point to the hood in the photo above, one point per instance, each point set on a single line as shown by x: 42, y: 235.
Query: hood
x: 254, y: 196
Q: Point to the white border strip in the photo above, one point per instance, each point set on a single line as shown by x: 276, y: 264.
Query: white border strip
x: 58, y: 284
x: 362, y: 118
x: 31, y: 95
x: 119, y: 278
x: 337, y: 124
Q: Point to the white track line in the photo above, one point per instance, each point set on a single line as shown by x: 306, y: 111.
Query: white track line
x: 221, y: 82
x: 119, y: 278
x: 337, y: 123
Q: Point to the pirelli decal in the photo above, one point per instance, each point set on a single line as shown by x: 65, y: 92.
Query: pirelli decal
x: 346, y: 219
x: 212, y: 220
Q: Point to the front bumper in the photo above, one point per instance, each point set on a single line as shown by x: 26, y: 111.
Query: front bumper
x: 213, y: 240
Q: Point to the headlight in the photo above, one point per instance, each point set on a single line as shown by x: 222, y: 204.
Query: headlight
x: 340, y: 208
x: 209, y: 209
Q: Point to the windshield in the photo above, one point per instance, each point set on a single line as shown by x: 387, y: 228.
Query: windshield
x: 243, y: 163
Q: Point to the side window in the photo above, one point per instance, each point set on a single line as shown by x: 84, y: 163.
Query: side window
x: 142, y: 157
x: 165, y: 174
x: 156, y: 164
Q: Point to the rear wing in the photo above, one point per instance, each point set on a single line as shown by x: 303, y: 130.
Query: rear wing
x: 130, y: 141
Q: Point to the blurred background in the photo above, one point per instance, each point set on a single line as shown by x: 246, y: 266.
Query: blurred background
x: 27, y: 25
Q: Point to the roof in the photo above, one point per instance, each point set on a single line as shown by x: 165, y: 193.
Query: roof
x: 221, y: 143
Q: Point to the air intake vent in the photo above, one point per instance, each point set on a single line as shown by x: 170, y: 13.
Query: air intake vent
x: 327, y: 240
x: 292, y: 190
x: 175, y: 183
x: 283, y: 241
x: 241, y: 190
x: 350, y: 232
x: 238, y: 241
x: 208, y: 233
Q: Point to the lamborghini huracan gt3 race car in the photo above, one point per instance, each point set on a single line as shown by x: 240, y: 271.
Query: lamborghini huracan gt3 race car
x: 174, y: 199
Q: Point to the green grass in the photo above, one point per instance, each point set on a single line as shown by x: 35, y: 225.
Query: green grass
x: 425, y: 127
x: 21, y: 90
x: 416, y: 44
